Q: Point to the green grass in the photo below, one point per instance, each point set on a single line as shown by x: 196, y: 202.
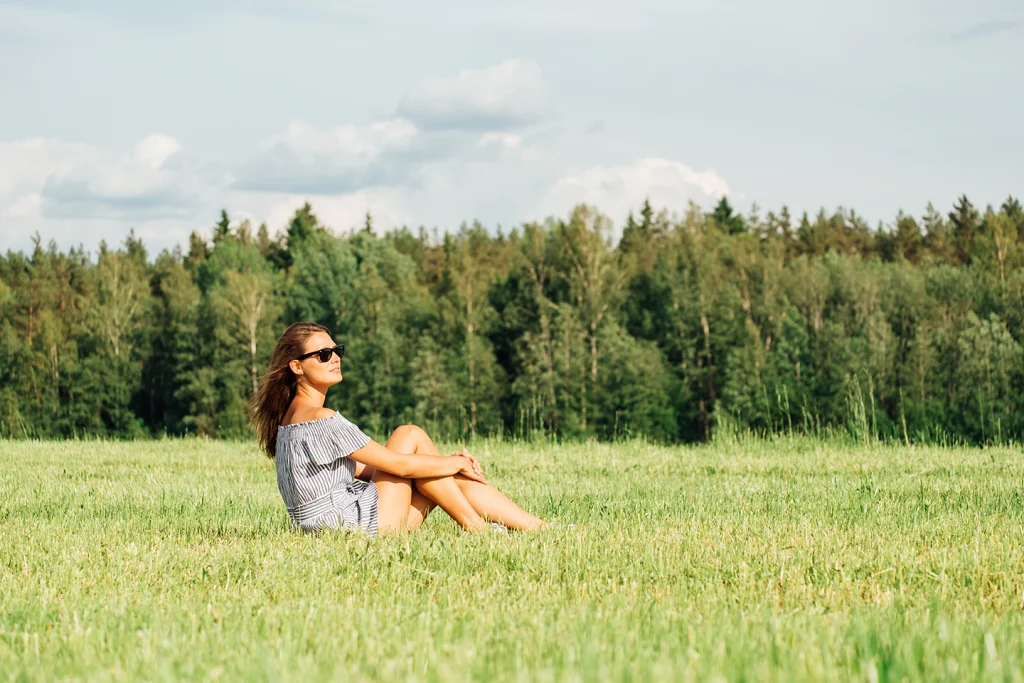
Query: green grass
x: 793, y: 560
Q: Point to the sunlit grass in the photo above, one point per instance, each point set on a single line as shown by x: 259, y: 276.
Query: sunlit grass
x: 771, y: 561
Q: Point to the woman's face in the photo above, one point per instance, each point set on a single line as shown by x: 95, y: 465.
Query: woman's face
x: 311, y: 369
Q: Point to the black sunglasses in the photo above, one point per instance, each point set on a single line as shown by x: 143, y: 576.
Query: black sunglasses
x: 324, y: 355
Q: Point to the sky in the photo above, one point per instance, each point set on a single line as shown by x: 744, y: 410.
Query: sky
x: 119, y: 115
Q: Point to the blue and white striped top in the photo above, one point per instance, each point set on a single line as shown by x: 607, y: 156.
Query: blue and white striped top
x: 316, y: 477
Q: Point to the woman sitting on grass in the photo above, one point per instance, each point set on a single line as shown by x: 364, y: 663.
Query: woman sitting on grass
x: 332, y: 474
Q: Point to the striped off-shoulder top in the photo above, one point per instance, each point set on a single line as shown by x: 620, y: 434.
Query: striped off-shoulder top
x: 316, y: 476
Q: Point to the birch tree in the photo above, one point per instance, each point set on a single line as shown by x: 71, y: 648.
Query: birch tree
x: 118, y: 299
x: 594, y: 280
x: 247, y: 306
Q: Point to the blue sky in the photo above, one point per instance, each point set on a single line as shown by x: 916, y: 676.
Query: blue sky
x: 120, y: 114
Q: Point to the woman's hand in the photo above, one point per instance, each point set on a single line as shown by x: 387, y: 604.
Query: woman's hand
x: 476, y: 462
x: 471, y: 469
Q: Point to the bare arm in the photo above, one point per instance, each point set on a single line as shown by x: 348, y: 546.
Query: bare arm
x: 415, y: 465
x: 406, y: 465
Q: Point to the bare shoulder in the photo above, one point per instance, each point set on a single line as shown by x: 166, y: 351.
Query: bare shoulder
x: 321, y: 413
x: 299, y: 414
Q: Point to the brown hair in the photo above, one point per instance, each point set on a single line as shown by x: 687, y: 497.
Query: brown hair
x: 277, y: 387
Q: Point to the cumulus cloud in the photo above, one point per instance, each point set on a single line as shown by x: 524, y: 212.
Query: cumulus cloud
x: 340, y: 212
x: 153, y: 150
x: 616, y: 190
x: 78, y: 193
x: 25, y: 164
x: 343, y: 159
x: 463, y: 118
x: 392, y: 153
x: 25, y: 206
x: 151, y: 182
x: 458, y: 149
x: 495, y: 180
x: 507, y: 95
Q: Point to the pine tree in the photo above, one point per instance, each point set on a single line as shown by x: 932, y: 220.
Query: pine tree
x: 908, y: 239
x: 1013, y: 210
x: 965, y: 221
x: 726, y: 220
x: 222, y: 228
x: 263, y: 242
x: 301, y: 228
x: 244, y: 232
x: 198, y: 251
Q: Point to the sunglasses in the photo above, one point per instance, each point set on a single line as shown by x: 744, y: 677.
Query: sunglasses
x: 324, y: 355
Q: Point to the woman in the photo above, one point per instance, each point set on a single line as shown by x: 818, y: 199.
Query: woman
x: 331, y: 474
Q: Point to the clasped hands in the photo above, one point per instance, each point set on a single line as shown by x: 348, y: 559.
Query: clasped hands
x: 471, y: 469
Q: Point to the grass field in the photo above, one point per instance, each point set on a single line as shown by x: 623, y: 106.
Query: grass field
x: 793, y: 560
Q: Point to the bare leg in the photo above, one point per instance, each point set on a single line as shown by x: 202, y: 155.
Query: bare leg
x: 485, y: 500
x: 364, y: 472
x: 418, y: 510
x: 394, y: 502
x: 496, y: 506
x: 441, y: 490
x: 400, y: 507
x: 428, y: 492
x: 446, y: 493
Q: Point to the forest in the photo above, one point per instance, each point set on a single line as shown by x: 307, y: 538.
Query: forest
x: 681, y: 326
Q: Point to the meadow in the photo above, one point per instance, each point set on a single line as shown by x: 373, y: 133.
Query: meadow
x: 791, y: 559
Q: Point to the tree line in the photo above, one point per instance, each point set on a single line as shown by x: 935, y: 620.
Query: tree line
x: 688, y: 325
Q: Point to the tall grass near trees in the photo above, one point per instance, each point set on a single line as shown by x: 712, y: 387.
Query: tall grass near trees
x: 789, y: 559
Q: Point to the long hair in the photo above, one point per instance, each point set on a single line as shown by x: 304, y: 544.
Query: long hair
x: 277, y: 387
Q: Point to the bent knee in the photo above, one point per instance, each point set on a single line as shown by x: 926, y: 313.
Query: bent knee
x: 408, y: 432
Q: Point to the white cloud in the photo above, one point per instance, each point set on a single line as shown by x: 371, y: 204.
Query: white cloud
x: 153, y: 150
x: 26, y: 206
x: 151, y: 182
x: 25, y: 164
x: 402, y: 175
x: 79, y: 194
x: 439, y: 120
x: 453, y: 152
x: 386, y: 154
x: 346, y: 158
x: 341, y: 213
x: 448, y: 178
x: 459, y: 149
x: 506, y: 95
x: 617, y: 190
